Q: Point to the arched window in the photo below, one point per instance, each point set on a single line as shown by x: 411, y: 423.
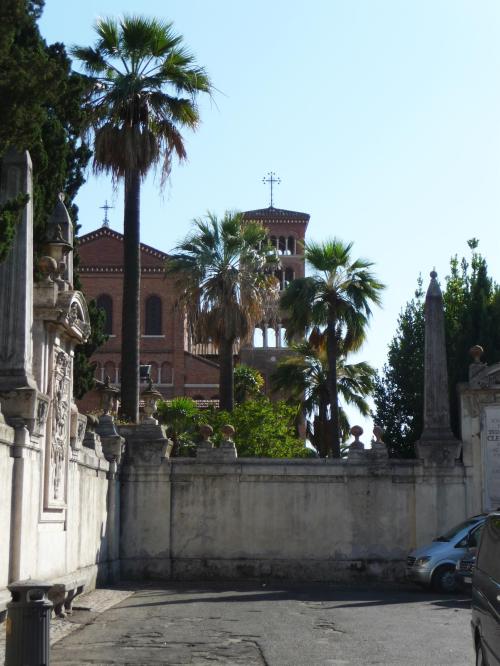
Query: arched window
x: 153, y: 316
x: 271, y: 337
x: 273, y: 241
x: 99, y: 372
x: 166, y: 376
x: 154, y: 371
x: 282, y: 245
x: 258, y: 337
x: 291, y: 245
x: 105, y: 302
x: 110, y: 371
x: 289, y: 275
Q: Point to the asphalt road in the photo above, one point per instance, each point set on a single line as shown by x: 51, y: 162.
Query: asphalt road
x: 276, y: 626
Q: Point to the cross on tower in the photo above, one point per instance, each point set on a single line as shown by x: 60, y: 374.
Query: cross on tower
x: 271, y: 180
x: 105, y: 222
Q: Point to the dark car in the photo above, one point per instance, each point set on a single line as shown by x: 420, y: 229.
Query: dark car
x: 486, y: 594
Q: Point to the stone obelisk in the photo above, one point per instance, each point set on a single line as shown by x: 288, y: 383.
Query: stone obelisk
x: 16, y: 280
x: 437, y: 444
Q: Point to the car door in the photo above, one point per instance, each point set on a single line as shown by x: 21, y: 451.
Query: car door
x: 488, y: 588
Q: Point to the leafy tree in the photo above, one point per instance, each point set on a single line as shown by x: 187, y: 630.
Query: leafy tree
x: 264, y: 429
x: 83, y: 370
x: 40, y: 112
x: 223, y: 271
x: 143, y: 87
x: 337, y: 296
x: 472, y: 316
x: 248, y: 383
x: 303, y: 377
x: 398, y: 395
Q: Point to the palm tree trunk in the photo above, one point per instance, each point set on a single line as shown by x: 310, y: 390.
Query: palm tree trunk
x: 323, y: 428
x: 131, y: 298
x: 332, y: 352
x: 226, y: 378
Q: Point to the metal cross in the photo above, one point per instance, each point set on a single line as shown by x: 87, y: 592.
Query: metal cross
x: 271, y: 180
x: 105, y: 222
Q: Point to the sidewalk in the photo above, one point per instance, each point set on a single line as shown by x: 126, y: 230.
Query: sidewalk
x: 87, y: 608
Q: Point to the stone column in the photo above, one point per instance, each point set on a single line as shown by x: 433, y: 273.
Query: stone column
x: 16, y: 280
x: 437, y: 443
x: 264, y: 336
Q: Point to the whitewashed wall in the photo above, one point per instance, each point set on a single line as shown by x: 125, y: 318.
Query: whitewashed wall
x: 293, y: 519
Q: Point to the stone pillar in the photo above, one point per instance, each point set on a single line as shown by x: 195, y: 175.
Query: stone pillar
x: 278, y: 335
x: 16, y: 280
x: 264, y: 336
x: 437, y: 444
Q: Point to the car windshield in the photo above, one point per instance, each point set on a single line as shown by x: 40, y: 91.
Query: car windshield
x: 448, y: 536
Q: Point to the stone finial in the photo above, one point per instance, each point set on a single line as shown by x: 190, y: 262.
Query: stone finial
x: 60, y: 226
x: 206, y: 432
x: 356, y: 431
x: 48, y: 268
x: 150, y: 397
x: 476, y: 352
x: 379, y: 447
x: 228, y: 432
x: 437, y: 443
x: 227, y: 448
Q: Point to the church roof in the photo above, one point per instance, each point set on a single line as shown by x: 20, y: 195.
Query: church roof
x: 106, y: 232
x: 272, y: 214
x: 102, y: 251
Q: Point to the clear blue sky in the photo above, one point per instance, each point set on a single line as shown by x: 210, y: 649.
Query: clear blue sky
x: 382, y: 118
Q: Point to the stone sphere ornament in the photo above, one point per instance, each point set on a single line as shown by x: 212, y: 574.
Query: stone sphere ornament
x: 48, y: 268
x: 476, y: 352
x: 356, y: 431
x: 206, y: 431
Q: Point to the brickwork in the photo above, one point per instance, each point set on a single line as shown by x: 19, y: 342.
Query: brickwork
x: 174, y: 370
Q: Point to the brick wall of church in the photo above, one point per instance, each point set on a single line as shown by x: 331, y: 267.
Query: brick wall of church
x: 173, y: 371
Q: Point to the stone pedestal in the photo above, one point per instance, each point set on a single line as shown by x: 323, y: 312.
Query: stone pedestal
x: 146, y: 444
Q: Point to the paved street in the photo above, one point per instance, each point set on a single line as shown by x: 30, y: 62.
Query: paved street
x: 274, y: 625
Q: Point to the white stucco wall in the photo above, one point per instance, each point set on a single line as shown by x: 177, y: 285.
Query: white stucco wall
x: 74, y: 540
x: 6, y: 463
x: 282, y: 518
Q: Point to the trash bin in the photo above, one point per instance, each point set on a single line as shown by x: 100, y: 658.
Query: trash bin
x: 28, y: 624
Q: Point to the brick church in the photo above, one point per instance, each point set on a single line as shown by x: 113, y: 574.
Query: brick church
x: 178, y: 367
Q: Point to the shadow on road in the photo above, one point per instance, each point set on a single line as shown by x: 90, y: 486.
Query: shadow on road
x: 341, y: 596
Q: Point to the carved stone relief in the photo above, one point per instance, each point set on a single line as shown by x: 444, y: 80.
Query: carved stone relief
x: 58, y: 431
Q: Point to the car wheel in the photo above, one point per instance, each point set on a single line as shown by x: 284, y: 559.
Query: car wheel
x: 444, y: 579
x: 480, y: 660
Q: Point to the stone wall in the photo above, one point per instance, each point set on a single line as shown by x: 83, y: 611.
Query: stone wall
x: 6, y: 469
x: 35, y: 544
x: 294, y: 519
x: 59, y: 515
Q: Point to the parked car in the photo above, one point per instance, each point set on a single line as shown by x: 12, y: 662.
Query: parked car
x: 486, y: 595
x: 465, y: 565
x: 434, y: 564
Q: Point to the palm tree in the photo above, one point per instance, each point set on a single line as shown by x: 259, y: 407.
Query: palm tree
x: 337, y: 296
x: 143, y: 86
x: 303, y: 376
x: 224, y: 273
